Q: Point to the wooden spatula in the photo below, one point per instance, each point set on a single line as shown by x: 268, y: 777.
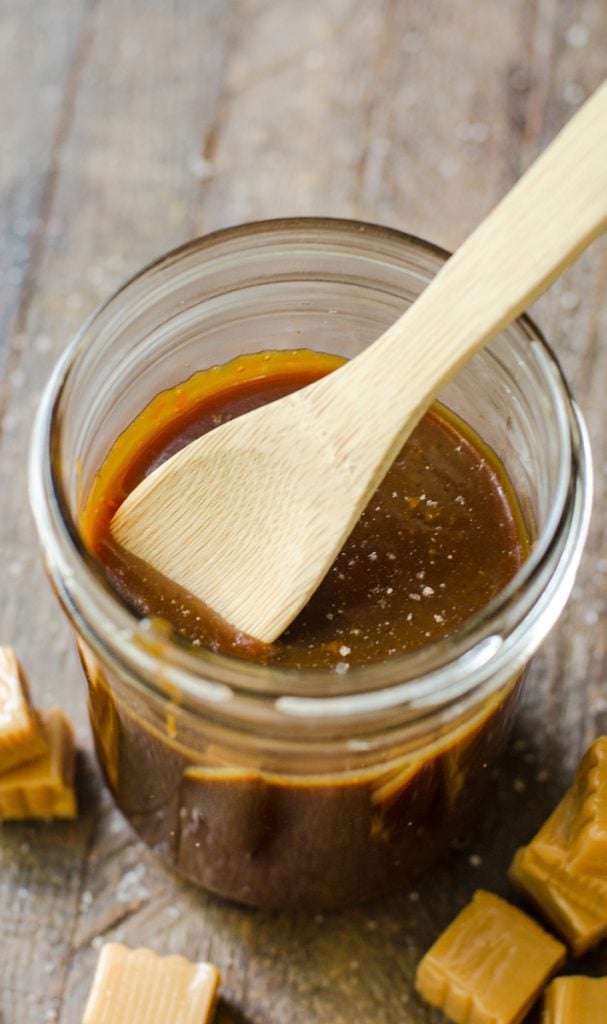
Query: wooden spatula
x: 250, y: 517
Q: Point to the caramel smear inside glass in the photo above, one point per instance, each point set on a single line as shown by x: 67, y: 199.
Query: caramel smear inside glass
x: 136, y: 986
x: 563, y: 869
x: 490, y: 964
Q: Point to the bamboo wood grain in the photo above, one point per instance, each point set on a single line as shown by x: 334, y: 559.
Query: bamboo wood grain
x: 250, y: 517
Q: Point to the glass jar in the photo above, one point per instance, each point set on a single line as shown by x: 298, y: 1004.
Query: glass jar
x: 280, y: 788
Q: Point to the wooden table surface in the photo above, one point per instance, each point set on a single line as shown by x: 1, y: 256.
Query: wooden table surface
x: 129, y: 126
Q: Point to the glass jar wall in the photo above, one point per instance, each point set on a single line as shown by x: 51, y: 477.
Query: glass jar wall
x: 281, y: 788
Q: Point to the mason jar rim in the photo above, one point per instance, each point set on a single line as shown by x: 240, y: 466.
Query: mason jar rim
x: 444, y: 671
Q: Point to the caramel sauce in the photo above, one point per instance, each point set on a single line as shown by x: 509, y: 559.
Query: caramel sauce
x: 441, y: 537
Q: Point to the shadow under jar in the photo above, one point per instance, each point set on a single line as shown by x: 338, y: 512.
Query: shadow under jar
x: 270, y: 786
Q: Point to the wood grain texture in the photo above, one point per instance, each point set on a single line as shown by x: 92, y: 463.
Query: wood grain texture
x: 36, y: 110
x: 131, y: 125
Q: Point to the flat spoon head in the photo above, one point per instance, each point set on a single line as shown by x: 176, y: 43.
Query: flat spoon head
x: 250, y: 517
x: 232, y: 516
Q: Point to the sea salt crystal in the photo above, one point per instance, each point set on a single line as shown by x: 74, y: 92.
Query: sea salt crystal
x: 43, y: 343
x: 569, y: 301
x: 479, y: 132
x: 201, y: 168
x: 412, y: 42
x: 573, y: 93
x: 577, y: 36
x: 448, y: 167
x: 130, y: 888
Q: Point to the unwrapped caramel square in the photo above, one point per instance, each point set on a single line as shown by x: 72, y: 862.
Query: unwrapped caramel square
x: 576, y: 1000
x: 576, y: 904
x: 490, y: 964
x: 588, y: 838
x: 136, y: 986
x: 551, y: 870
x: 21, y: 737
x: 44, y: 787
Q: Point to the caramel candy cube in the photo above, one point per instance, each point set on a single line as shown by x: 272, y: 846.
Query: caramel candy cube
x: 588, y: 841
x: 550, y: 870
x: 576, y: 1000
x: 490, y: 964
x: 43, y: 788
x: 136, y: 986
x: 576, y: 904
x: 21, y: 738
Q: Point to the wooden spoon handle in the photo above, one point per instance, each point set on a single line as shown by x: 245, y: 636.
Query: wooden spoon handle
x: 551, y: 214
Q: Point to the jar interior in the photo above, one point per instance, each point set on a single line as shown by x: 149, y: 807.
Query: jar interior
x: 194, y: 310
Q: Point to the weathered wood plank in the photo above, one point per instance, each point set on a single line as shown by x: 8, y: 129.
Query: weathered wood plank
x: 49, y: 41
x: 569, y: 676
x: 395, y: 112
x: 416, y: 115
x: 123, y: 172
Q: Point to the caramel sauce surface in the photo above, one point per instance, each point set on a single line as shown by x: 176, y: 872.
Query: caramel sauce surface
x: 441, y: 537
